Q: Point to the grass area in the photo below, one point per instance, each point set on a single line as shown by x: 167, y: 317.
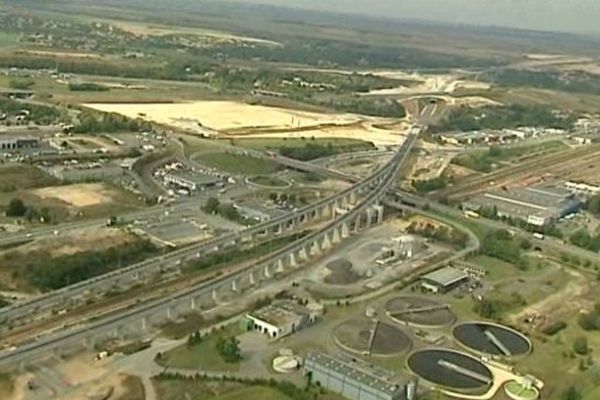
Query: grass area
x: 520, y: 390
x: 498, y: 269
x: 8, y: 39
x: 16, y: 177
x: 6, y: 385
x: 39, y: 268
x: 472, y: 225
x: 271, y: 181
x: 276, y: 143
x: 177, y: 389
x: 238, y: 164
x: 203, y: 355
x: 486, y: 160
x: 133, y: 388
x: 253, y: 392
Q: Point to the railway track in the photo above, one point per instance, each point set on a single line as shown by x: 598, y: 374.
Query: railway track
x: 174, y: 258
x: 543, y: 164
x: 377, y: 191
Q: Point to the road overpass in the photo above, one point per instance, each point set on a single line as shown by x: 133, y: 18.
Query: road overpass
x: 71, y: 295
x: 365, y: 212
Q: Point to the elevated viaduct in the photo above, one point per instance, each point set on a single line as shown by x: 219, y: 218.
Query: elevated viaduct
x: 365, y: 212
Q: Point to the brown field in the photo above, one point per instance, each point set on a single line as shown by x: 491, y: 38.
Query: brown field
x: 60, y: 54
x: 79, y: 195
x: 224, y: 115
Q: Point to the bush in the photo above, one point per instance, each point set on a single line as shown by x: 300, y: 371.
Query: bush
x: 229, y: 349
x: 554, y: 328
x: 16, y: 208
x: 580, y: 346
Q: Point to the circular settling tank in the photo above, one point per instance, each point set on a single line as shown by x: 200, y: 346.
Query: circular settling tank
x: 518, y: 391
x: 491, y: 339
x: 419, y: 311
x: 451, y: 370
x: 371, y: 337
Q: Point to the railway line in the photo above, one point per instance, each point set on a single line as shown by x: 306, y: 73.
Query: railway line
x: 544, y: 164
x: 196, y: 251
x: 376, y: 187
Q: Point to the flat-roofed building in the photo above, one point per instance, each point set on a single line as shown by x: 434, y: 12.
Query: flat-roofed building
x: 283, y: 318
x: 18, y: 142
x: 539, y: 205
x: 444, y: 279
x: 352, y: 379
x: 191, y: 180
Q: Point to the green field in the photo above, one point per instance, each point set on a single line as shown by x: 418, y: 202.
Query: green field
x: 270, y: 181
x: 16, y: 177
x: 202, y: 356
x: 8, y: 39
x: 238, y: 164
x: 253, y: 392
x: 276, y: 143
x: 201, y: 390
x: 486, y: 160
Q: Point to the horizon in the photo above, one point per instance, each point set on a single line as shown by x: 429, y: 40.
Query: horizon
x: 575, y: 16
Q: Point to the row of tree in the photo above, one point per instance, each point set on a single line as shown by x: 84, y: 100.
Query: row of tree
x: 49, y: 273
x: 512, y: 116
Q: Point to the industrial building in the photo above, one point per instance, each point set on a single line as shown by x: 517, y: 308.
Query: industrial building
x: 444, y: 279
x: 352, y: 379
x: 283, y: 318
x: 18, y: 142
x: 582, y: 188
x: 190, y: 180
x: 539, y: 206
x: 482, y: 137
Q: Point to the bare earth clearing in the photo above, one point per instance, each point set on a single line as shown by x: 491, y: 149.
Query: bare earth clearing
x: 80, y: 195
x: 224, y: 115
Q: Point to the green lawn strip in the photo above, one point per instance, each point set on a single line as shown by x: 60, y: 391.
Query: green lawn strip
x: 238, y: 164
x: 204, y: 355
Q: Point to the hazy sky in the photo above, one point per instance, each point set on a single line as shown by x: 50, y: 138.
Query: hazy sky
x: 581, y: 16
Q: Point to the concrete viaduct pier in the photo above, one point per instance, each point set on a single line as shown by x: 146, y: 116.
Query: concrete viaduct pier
x: 366, y: 212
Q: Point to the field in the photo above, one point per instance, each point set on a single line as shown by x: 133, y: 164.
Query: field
x: 224, y: 115
x: 365, y: 131
x: 200, y: 390
x: 486, y: 160
x: 87, y: 200
x: 237, y: 163
x: 276, y: 143
x: 12, y: 261
x: 201, y: 356
x: 269, y: 181
x: 8, y: 39
x: 78, y: 195
x: 15, y: 177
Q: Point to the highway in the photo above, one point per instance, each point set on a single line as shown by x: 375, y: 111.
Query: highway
x: 7, y: 239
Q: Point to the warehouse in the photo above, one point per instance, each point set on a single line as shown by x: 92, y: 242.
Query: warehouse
x: 352, y: 379
x: 283, y: 318
x: 539, y: 206
x: 190, y: 180
x: 444, y: 279
x: 15, y: 143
